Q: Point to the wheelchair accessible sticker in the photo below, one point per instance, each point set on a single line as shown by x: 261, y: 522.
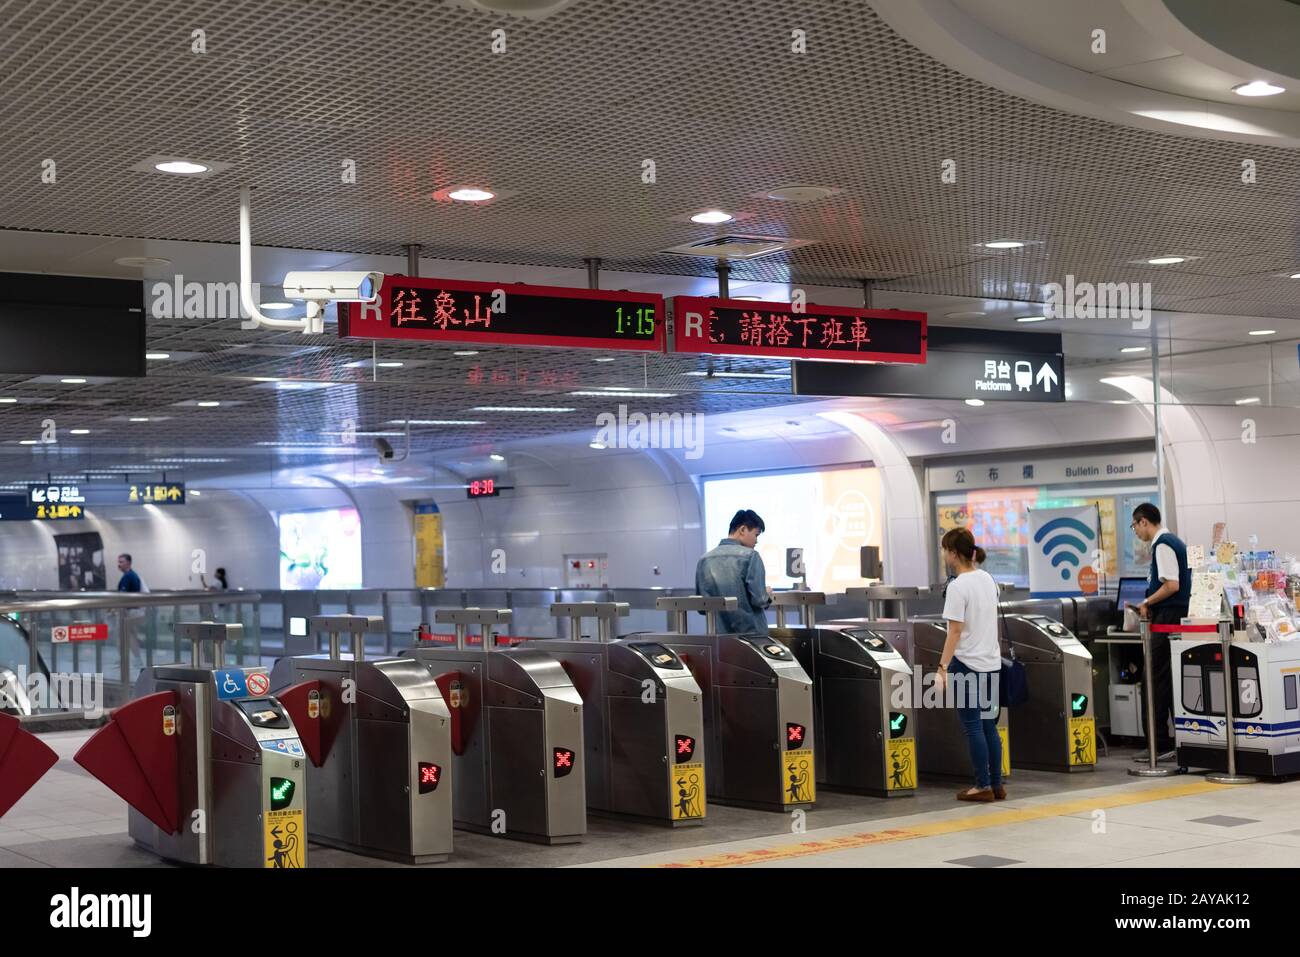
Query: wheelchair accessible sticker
x: 289, y: 746
x: 230, y: 684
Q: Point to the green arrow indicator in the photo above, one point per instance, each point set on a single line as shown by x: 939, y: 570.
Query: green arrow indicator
x: 896, y: 722
x: 1078, y: 703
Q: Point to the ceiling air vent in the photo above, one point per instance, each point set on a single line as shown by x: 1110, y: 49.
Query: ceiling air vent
x: 737, y: 246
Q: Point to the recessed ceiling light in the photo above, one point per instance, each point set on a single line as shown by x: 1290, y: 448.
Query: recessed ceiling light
x: 497, y: 457
x: 1031, y: 318
x: 27, y: 442
x: 139, y: 418
x: 1263, y: 332
x: 73, y: 381
x: 597, y: 445
x: 759, y: 298
x: 1294, y: 275
x: 208, y: 404
x: 800, y: 194
x: 1258, y: 88
x: 390, y: 365
x: 963, y: 315
x: 1004, y: 244
x: 739, y: 375
x: 470, y: 194
x: 975, y: 402
x: 604, y: 359
x: 277, y: 305
x: 435, y: 422
x: 157, y: 355
x: 1250, y: 401
x: 712, y: 216
x: 1166, y: 260
x: 79, y: 431
x: 8, y: 401
x: 142, y: 262
x: 195, y: 491
x: 1134, y: 349
x: 521, y: 408
x: 624, y: 393
x: 182, y: 167
x: 465, y: 352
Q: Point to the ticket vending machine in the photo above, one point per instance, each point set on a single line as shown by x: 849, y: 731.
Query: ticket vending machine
x: 758, y: 709
x: 643, y: 724
x: 1055, y: 730
x: 378, y: 736
x: 516, y: 733
x: 863, y: 711
x: 941, y: 740
x: 1265, y: 708
x: 208, y: 760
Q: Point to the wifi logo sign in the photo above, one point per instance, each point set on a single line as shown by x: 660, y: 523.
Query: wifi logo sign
x: 1063, y: 543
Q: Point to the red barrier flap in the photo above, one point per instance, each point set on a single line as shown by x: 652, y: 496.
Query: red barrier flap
x: 137, y: 756
x: 24, y: 758
x: 1184, y: 629
x: 302, y: 701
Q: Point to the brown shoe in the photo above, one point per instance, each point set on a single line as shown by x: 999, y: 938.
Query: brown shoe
x: 984, y: 796
x: 1000, y: 793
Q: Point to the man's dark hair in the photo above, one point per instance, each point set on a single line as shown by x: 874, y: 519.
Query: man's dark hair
x: 1149, y: 512
x: 125, y: 555
x: 747, y: 518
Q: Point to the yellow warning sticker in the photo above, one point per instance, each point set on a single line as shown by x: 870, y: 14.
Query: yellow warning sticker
x: 688, y: 791
x: 1005, y: 735
x: 900, y: 764
x: 1083, y: 741
x: 286, y: 840
x: 797, y: 778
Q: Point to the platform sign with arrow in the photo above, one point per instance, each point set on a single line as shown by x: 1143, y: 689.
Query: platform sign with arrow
x: 971, y: 364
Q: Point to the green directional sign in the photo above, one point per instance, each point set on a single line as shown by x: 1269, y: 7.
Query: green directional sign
x: 897, y: 724
x: 281, y: 793
x: 1078, y: 704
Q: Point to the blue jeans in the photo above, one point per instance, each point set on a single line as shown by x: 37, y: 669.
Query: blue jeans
x: 981, y: 735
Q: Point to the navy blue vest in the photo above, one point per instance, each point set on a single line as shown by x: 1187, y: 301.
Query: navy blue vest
x: 1180, y: 599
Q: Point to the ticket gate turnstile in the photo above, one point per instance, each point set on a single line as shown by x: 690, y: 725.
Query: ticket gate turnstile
x: 1055, y: 730
x: 378, y: 736
x: 1265, y: 708
x: 758, y: 709
x: 643, y: 723
x: 208, y: 760
x: 941, y: 740
x: 863, y: 715
x: 516, y: 733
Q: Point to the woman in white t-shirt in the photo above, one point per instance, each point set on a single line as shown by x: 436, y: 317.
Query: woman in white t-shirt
x: 973, y: 656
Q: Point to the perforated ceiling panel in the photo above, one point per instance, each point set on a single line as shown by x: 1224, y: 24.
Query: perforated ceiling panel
x: 562, y: 121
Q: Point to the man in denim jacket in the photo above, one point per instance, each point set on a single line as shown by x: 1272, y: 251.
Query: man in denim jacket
x: 734, y: 570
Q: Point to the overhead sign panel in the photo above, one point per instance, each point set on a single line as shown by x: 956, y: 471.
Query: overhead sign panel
x: 71, y: 325
x: 72, y: 494
x: 484, y: 313
x: 739, y: 327
x: 965, y: 364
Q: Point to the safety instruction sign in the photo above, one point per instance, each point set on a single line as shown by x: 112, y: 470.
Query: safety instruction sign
x: 286, y: 839
x: 797, y: 779
x: 1005, y: 737
x: 1083, y: 741
x: 688, y: 791
x: 900, y: 764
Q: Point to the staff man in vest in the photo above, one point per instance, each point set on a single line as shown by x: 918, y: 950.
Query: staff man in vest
x: 1169, y: 588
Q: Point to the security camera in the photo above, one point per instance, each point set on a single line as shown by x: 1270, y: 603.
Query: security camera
x: 333, y: 286
x: 386, y: 453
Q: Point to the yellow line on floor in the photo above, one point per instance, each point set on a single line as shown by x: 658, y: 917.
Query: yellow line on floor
x: 971, y: 822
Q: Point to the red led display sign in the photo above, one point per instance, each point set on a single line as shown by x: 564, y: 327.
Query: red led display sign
x: 481, y: 488
x: 484, y: 313
x: 739, y: 327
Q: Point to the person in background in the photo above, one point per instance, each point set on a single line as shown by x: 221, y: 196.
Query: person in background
x: 219, y: 585
x: 734, y: 570
x: 971, y: 609
x: 1169, y: 589
x: 129, y: 581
